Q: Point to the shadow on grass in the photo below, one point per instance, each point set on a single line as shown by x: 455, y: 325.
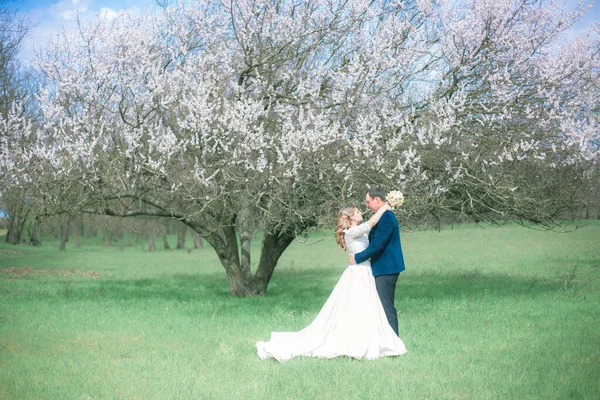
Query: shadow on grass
x: 290, y: 290
x: 430, y: 287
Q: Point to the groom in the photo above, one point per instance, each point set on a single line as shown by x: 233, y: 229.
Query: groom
x: 385, y: 253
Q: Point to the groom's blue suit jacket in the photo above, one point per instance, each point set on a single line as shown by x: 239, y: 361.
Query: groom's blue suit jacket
x: 385, y: 250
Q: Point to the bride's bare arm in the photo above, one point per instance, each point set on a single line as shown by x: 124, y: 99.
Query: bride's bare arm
x: 375, y: 218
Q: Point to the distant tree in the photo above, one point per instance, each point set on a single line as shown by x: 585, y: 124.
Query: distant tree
x: 165, y: 241
x: 268, y: 115
x: 16, y: 92
x: 13, y: 82
x: 64, y: 221
x: 181, y: 232
x: 198, y: 241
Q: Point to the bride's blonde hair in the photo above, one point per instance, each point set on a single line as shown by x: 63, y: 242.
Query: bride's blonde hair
x: 343, y: 223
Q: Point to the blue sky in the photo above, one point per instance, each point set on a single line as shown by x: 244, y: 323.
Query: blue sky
x: 49, y: 16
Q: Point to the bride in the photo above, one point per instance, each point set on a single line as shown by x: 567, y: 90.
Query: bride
x: 352, y: 322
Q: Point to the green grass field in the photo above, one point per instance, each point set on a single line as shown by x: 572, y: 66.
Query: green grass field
x: 485, y: 313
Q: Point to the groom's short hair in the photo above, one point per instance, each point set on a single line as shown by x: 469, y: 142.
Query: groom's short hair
x: 376, y: 192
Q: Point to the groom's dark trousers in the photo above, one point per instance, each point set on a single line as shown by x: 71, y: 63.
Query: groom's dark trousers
x: 386, y: 287
x: 387, y: 261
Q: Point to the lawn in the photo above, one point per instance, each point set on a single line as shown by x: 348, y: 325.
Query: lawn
x: 485, y: 313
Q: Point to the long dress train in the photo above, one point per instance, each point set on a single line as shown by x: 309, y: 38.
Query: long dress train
x: 351, y: 323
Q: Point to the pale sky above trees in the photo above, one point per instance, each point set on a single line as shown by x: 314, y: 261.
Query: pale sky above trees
x: 50, y: 16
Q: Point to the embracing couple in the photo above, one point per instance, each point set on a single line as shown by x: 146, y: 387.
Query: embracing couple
x: 358, y: 319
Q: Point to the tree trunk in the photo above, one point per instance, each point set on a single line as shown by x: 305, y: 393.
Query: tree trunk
x: 151, y: 246
x: 107, y: 233
x: 198, y: 241
x: 76, y: 233
x: 63, y: 243
x: 14, y: 233
x: 16, y: 227
x: 182, y: 230
x: 273, y: 246
x: 17, y: 210
x: 165, y: 242
x: 241, y: 281
x: 132, y: 238
x: 245, y: 242
x: 35, y: 239
x: 58, y: 226
x: 65, y: 222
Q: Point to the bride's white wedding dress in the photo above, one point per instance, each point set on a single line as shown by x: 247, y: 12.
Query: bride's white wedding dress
x: 351, y: 323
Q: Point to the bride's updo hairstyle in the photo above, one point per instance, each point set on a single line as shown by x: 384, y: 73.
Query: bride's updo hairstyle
x: 343, y: 223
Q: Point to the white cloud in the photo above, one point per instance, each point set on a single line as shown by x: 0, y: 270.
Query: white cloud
x: 67, y: 10
x: 108, y: 13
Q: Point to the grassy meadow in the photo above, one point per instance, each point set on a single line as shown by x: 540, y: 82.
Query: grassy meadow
x: 485, y: 313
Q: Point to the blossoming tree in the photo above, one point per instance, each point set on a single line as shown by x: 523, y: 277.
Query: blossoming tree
x: 267, y: 115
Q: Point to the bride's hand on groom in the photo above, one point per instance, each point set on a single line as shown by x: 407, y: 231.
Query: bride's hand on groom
x: 351, y: 259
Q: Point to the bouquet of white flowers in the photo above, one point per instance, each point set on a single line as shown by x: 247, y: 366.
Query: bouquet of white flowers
x: 395, y: 198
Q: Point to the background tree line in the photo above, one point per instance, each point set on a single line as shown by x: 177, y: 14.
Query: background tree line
x: 125, y: 232
x: 115, y: 231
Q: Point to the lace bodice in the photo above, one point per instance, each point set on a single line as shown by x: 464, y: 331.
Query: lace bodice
x: 357, y: 239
